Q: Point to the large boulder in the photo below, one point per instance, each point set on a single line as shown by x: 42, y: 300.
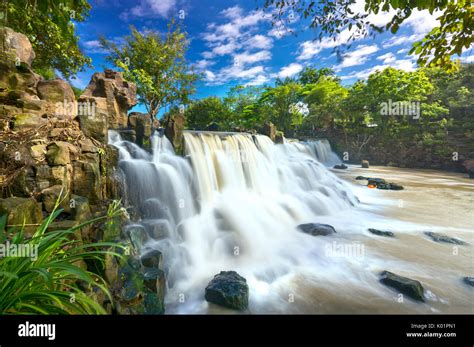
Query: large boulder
x: 23, y: 121
x: 58, y: 153
x: 269, y: 129
x: 174, y: 126
x: 60, y: 93
x: 22, y: 210
x: 87, y: 180
x: 228, y: 289
x: 16, y: 45
x: 142, y: 124
x: 96, y: 124
x: 405, y: 285
x: 119, y: 95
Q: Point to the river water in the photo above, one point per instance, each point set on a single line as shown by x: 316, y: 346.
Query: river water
x: 234, y: 202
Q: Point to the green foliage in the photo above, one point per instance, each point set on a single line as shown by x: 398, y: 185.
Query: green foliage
x: 201, y: 114
x: 454, y: 33
x: 49, y: 24
x: 157, y: 65
x: 49, y: 284
x: 77, y: 92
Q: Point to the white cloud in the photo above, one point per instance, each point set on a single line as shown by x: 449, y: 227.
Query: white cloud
x: 403, y: 64
x: 260, y: 42
x: 151, y: 8
x: 258, y: 81
x: 403, y: 51
x: 249, y: 58
x: 209, y: 75
x: 357, y: 57
x: 468, y: 59
x: 422, y: 22
x: 290, y: 70
x: 387, y: 58
x: 399, y: 40
x: 224, y: 49
x: 203, y: 64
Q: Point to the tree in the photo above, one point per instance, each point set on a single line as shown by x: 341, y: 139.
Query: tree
x: 324, y: 100
x: 280, y: 105
x: 49, y: 25
x: 202, y: 113
x: 242, y: 102
x: 454, y: 33
x: 157, y: 65
x: 311, y: 75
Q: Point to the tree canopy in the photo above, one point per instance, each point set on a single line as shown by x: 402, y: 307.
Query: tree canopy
x: 454, y: 33
x: 157, y: 65
x: 49, y: 25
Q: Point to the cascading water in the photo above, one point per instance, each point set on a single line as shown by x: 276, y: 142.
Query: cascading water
x: 233, y: 203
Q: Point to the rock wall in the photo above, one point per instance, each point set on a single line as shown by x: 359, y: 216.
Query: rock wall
x: 52, y: 146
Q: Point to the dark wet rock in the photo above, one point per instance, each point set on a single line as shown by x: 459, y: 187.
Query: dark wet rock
x: 155, y: 281
x: 469, y: 167
x: 317, y: 229
x: 152, y: 259
x: 469, y: 281
x: 409, y: 287
x: 153, y: 304
x: 444, y: 238
x: 361, y: 178
x: 340, y: 167
x: 381, y: 232
x: 228, y: 289
x: 365, y: 164
x: 137, y: 235
x: 279, y: 137
x: 389, y: 186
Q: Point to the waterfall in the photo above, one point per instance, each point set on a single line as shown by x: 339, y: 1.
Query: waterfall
x: 233, y: 202
x: 319, y: 149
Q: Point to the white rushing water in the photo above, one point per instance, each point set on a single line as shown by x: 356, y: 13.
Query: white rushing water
x: 234, y: 202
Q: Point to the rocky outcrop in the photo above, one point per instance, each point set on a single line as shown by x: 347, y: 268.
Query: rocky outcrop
x: 52, y: 147
x: 404, y: 285
x: 317, y: 229
x: 174, y: 126
x: 142, y: 124
x: 269, y: 129
x: 112, y: 95
x: 228, y: 289
x: 16, y: 45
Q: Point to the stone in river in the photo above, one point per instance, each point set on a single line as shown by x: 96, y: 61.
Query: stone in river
x: 228, y: 289
x: 405, y: 285
x: 340, y: 167
x: 317, y: 229
x: 365, y: 164
x: 444, y: 238
x: 469, y: 281
x: 381, y: 232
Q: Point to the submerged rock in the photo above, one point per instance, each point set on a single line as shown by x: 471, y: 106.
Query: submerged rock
x: 375, y: 181
x: 469, y: 281
x: 228, y: 289
x: 340, y: 167
x: 317, y: 229
x: 381, y: 232
x: 405, y: 285
x: 444, y: 238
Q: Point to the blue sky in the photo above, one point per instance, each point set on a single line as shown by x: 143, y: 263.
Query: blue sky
x: 233, y: 43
